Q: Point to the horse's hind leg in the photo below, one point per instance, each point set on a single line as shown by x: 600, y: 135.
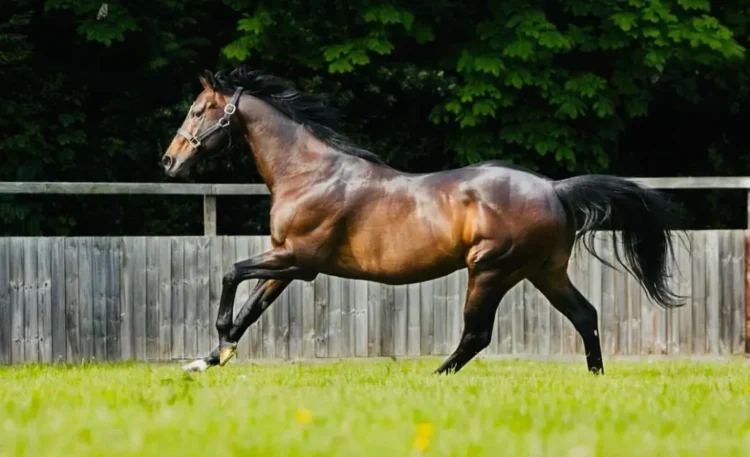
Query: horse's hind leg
x: 564, y: 296
x: 485, y: 290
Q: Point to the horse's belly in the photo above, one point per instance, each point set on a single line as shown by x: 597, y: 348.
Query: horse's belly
x: 399, y: 260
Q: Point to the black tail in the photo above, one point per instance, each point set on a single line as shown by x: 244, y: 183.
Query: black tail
x: 642, y: 215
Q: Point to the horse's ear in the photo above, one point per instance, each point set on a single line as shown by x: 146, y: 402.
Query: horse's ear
x: 207, y: 80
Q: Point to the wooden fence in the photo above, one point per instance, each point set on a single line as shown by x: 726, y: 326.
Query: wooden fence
x: 155, y: 298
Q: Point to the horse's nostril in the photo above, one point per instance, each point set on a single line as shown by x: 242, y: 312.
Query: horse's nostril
x: 167, y: 161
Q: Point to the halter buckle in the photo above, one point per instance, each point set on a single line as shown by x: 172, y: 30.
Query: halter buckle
x: 230, y: 108
x: 194, y: 141
x: 224, y: 122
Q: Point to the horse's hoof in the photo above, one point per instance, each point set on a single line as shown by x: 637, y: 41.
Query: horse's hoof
x: 226, y: 353
x: 199, y: 366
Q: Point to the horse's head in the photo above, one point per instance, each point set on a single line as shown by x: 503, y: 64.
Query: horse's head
x: 205, y: 131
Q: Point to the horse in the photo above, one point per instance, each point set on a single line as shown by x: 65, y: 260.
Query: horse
x: 340, y: 210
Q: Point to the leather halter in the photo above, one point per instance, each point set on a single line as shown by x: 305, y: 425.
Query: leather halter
x: 229, y: 109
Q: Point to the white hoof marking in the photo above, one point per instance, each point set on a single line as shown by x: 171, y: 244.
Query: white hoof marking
x: 196, y: 365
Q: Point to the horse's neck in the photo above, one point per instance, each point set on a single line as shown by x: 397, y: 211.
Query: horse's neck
x: 284, y: 153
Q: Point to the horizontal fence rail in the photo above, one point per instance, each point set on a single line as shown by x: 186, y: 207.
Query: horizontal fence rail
x: 211, y: 191
x: 156, y: 298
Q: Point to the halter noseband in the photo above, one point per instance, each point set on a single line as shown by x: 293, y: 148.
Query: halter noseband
x: 229, y: 109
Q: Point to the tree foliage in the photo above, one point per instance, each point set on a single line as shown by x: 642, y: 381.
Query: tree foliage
x: 94, y: 90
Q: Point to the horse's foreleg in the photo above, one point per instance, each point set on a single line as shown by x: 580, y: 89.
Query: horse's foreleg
x: 485, y: 290
x: 263, y: 295
x: 277, y: 264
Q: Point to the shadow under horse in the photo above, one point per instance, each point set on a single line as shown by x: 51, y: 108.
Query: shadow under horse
x: 340, y: 210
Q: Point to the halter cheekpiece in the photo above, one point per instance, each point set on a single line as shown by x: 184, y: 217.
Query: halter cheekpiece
x: 229, y: 109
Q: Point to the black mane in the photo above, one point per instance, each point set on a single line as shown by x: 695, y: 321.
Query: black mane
x: 310, y: 110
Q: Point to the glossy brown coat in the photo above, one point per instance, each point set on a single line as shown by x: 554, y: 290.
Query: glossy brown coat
x: 337, y: 210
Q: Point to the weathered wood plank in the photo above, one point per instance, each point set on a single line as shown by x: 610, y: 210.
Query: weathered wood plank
x: 335, y: 297
x: 152, y: 291
x: 190, y: 304
x: 414, y: 331
x: 439, y: 313
x: 178, y: 297
x: 145, y: 292
x: 685, y: 313
x: 347, y: 318
x: 530, y: 321
x: 650, y: 343
x: 738, y: 292
x: 455, y: 307
x: 17, y: 286
x: 634, y: 316
x: 726, y: 273
x: 282, y: 325
x: 544, y: 322
x: 503, y: 325
x: 308, y: 319
x: 203, y: 280
x: 321, y: 316
x: 557, y: 330
x: 100, y: 264
x: 114, y: 320
x: 44, y: 298
x: 698, y: 296
x: 518, y: 321
x: 72, y: 302
x: 165, y: 298
x: 622, y: 319
x: 216, y: 274
x: 360, y: 322
x: 296, y: 342
x: 427, y: 323
x: 713, y: 292
x: 400, y: 311
x: 387, y: 323
x: 209, y: 215
x: 6, y: 312
x: 127, y: 302
x: 31, y: 301
x: 672, y: 316
x: 255, y: 332
x: 374, y: 317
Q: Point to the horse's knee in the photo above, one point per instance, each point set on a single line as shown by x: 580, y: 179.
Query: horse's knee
x: 230, y: 278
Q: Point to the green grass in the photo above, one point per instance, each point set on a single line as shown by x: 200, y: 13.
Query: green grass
x: 371, y: 409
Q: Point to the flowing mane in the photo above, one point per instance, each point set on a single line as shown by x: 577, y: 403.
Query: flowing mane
x: 310, y: 110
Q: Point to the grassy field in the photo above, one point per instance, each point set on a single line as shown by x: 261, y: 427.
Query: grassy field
x: 378, y: 409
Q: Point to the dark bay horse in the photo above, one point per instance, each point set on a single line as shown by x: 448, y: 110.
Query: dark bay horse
x: 339, y: 210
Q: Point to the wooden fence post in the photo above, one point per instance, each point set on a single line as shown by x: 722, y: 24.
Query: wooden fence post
x: 209, y: 215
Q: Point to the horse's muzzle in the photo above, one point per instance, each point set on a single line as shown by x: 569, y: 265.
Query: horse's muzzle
x: 167, y: 162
